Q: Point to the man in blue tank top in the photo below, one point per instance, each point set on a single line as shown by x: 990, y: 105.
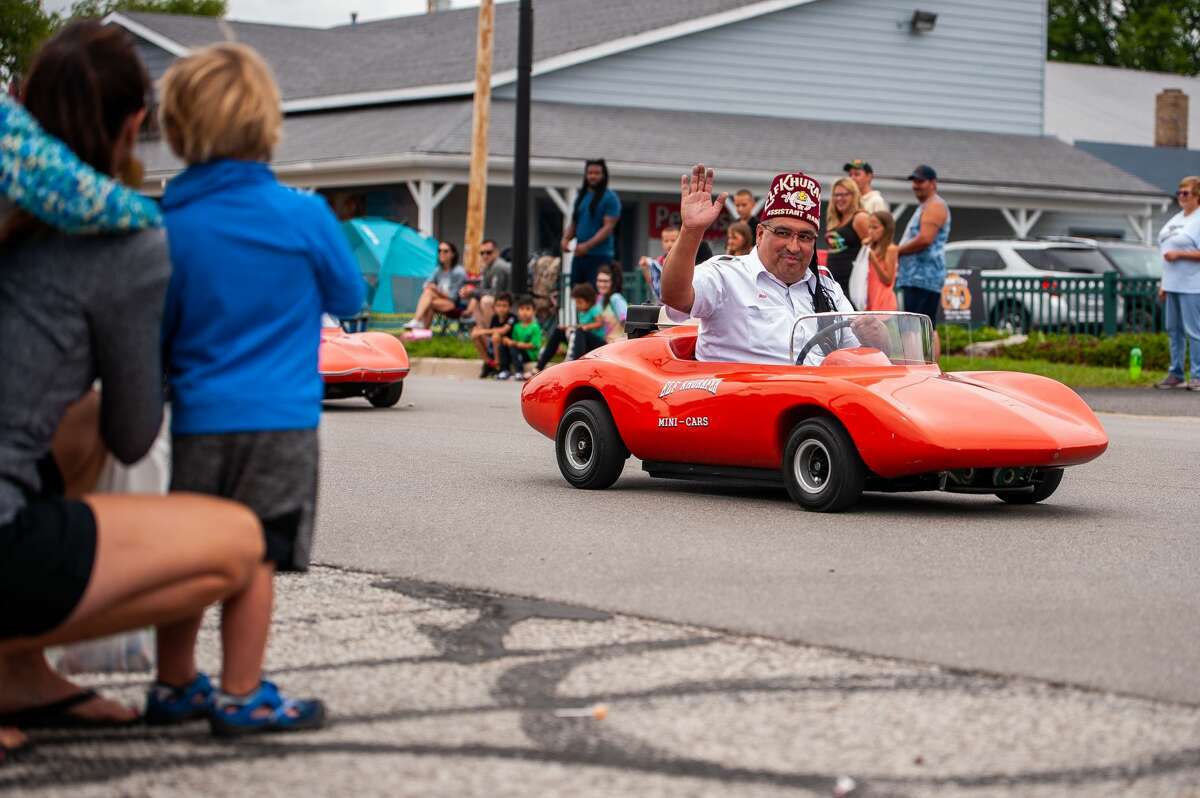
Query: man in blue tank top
x: 923, y: 249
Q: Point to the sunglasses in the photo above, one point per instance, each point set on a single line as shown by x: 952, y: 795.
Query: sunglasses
x: 1183, y: 192
x: 487, y: 252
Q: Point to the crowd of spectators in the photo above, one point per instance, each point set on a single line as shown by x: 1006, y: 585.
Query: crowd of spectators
x: 859, y: 240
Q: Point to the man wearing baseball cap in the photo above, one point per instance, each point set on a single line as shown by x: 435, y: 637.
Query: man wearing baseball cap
x: 862, y: 174
x: 922, y: 268
x: 747, y: 304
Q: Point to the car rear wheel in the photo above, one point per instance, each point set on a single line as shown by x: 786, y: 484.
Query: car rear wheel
x: 821, y: 467
x: 1042, y: 490
x: 591, y: 454
x: 1011, y: 317
x: 385, y: 395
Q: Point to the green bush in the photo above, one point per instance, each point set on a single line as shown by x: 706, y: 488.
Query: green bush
x: 1093, y: 350
x: 956, y: 338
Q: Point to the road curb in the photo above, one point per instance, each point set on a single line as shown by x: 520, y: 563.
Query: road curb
x: 445, y: 367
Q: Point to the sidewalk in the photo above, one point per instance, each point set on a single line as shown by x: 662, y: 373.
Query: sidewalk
x: 450, y: 692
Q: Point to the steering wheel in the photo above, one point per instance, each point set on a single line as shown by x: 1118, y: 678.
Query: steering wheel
x: 823, y: 336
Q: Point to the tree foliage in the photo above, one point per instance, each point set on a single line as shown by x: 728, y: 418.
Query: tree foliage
x: 23, y: 26
x: 197, y: 8
x: 1158, y: 35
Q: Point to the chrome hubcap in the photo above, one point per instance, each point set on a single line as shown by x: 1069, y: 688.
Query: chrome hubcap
x: 578, y: 445
x: 811, y: 466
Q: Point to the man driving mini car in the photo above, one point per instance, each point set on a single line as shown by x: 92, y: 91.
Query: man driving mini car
x: 747, y: 304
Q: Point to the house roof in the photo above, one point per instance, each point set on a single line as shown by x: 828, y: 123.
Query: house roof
x: 432, y: 55
x: 649, y: 149
x: 1108, y: 104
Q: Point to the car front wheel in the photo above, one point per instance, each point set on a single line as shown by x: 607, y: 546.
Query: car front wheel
x: 591, y: 454
x: 821, y: 467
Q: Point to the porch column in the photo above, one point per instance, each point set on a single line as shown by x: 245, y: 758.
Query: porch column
x: 1143, y: 227
x: 566, y: 308
x: 427, y: 197
x: 1021, y: 220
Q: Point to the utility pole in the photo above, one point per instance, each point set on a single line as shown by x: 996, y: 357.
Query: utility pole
x: 520, y: 234
x: 477, y: 187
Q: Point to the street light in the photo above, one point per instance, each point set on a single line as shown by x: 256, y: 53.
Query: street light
x: 922, y: 21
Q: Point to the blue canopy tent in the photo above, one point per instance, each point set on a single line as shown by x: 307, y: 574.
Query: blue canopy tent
x: 395, y: 261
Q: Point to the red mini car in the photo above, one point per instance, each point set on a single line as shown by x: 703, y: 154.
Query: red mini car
x: 370, y: 364
x: 866, y: 409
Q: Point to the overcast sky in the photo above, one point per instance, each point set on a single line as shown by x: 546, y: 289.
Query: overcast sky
x: 315, y: 13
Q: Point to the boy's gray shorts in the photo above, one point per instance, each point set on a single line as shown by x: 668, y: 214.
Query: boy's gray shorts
x: 274, y: 473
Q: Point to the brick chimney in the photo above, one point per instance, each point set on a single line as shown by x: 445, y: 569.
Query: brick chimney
x: 1171, y: 118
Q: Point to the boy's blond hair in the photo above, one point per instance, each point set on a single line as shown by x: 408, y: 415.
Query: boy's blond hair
x: 221, y: 102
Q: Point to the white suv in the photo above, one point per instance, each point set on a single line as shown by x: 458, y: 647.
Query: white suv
x: 1047, y: 302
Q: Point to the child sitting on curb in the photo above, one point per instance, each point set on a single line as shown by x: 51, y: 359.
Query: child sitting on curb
x: 255, y: 265
x: 523, y: 343
x: 588, y: 332
x: 487, y: 339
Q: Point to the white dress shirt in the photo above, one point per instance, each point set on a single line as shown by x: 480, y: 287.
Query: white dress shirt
x: 746, y: 313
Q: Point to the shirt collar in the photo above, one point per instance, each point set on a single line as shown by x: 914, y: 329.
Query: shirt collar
x: 756, y: 267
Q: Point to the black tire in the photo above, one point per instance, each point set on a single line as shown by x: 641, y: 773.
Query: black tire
x: 591, y: 454
x: 1011, y: 316
x: 822, y: 468
x: 1051, y: 478
x: 384, y: 395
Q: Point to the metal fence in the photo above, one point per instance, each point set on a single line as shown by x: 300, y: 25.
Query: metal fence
x: 1102, y: 304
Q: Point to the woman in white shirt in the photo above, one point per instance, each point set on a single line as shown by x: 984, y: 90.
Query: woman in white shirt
x: 1179, y: 242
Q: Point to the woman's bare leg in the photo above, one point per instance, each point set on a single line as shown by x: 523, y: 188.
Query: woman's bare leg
x: 159, y: 559
x: 423, y: 315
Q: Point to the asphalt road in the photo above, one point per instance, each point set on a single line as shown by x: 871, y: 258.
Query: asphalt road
x: 1098, y: 587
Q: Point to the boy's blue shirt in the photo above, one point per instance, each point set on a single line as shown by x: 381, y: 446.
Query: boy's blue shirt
x: 254, y: 264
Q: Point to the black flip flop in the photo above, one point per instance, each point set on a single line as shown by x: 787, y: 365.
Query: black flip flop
x: 57, y: 715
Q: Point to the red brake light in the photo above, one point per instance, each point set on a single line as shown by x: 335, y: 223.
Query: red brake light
x: 1051, y: 286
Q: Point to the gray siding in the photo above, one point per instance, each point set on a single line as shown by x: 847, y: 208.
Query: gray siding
x: 845, y: 60
x: 155, y: 58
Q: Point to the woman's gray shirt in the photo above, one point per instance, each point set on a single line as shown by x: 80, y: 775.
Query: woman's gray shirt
x: 74, y: 309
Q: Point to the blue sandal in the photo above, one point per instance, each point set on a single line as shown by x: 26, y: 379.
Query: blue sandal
x: 238, y: 715
x: 167, y: 705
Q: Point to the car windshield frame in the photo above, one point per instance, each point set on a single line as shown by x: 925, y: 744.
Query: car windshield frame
x: 908, y: 341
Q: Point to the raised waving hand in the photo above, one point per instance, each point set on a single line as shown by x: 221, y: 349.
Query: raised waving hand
x: 697, y: 209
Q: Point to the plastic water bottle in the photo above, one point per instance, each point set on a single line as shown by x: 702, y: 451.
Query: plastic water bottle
x: 1135, y: 363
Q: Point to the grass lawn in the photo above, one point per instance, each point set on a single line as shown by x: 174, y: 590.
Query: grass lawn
x: 442, y: 346
x: 1072, y: 374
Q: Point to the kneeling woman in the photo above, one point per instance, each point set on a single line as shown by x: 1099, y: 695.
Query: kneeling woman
x: 73, y: 309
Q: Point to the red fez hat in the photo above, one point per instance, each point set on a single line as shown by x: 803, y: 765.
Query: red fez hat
x: 793, y: 194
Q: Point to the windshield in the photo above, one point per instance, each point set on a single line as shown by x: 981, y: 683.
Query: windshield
x: 1136, y: 261
x: 862, y: 339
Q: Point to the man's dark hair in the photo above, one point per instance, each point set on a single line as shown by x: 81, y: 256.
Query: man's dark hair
x: 525, y: 300
x: 491, y: 241
x: 504, y: 296
x: 585, y: 189
x: 586, y: 292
